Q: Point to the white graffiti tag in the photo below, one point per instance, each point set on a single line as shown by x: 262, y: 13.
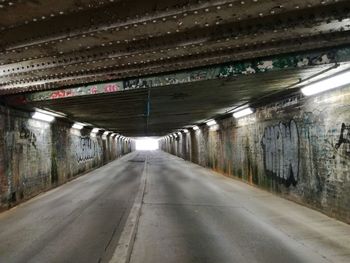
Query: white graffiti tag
x: 86, y: 149
x: 281, y: 152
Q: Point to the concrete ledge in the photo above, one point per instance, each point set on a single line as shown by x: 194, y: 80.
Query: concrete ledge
x: 126, y: 241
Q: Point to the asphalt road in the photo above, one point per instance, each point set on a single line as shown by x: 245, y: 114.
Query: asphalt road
x: 191, y: 214
x: 77, y: 222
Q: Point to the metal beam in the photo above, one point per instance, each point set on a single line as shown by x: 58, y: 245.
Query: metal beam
x: 234, y: 69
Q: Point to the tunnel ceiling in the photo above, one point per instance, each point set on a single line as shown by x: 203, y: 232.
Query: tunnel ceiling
x: 49, y: 45
x: 160, y: 110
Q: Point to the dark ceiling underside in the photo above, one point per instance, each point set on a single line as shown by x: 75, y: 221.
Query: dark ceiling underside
x: 50, y: 44
x: 172, y: 108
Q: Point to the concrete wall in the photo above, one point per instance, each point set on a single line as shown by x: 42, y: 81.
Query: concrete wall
x: 36, y: 156
x: 298, y: 147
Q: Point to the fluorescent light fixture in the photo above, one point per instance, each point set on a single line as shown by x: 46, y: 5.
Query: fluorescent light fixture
x: 195, y: 128
x: 51, y: 113
x: 78, y: 126
x: 211, y: 122
x: 185, y: 131
x: 43, y: 117
x: 239, y: 108
x: 327, y: 84
x: 242, y: 113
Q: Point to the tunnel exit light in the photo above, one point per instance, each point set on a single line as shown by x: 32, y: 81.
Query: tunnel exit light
x: 327, y: 84
x: 147, y: 144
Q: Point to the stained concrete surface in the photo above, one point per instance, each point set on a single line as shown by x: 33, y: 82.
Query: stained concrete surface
x: 77, y: 222
x: 295, y: 145
x: 191, y: 214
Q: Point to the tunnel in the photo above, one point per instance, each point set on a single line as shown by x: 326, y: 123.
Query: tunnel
x: 174, y: 131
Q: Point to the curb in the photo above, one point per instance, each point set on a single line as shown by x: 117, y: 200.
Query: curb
x: 126, y: 241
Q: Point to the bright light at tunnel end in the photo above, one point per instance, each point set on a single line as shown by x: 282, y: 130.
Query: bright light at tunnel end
x: 146, y: 144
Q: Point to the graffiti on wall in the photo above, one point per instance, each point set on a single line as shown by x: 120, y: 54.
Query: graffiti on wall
x: 280, y: 144
x: 136, y: 84
x: 61, y: 94
x: 109, y: 87
x: 344, y: 138
x: 29, y: 136
x: 86, y: 149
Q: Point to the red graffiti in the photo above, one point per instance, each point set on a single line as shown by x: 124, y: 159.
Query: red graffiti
x: 93, y: 90
x: 111, y: 88
x: 61, y: 94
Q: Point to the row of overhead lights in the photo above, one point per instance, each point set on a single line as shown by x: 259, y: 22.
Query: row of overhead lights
x: 336, y: 81
x: 49, y: 116
x: 238, y: 113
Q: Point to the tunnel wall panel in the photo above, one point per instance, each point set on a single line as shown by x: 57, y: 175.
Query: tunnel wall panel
x: 297, y: 147
x: 36, y: 156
